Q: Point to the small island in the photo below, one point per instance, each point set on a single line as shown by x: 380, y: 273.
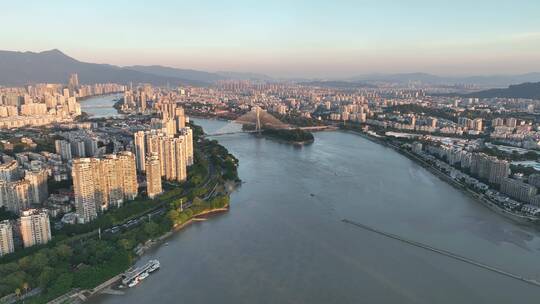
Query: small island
x: 294, y: 136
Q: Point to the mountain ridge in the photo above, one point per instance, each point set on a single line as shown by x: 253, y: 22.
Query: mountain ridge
x: 498, y: 80
x: 166, y: 71
x: 53, y: 66
x: 527, y: 90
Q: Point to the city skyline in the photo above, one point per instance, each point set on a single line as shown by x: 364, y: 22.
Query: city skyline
x: 270, y: 152
x: 300, y: 39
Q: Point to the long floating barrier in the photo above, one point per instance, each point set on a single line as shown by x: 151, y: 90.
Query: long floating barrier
x: 444, y: 253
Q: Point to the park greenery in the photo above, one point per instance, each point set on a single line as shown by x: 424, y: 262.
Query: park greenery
x: 85, y: 255
x: 295, y: 119
x: 179, y: 217
x: 63, y: 265
x: 294, y: 135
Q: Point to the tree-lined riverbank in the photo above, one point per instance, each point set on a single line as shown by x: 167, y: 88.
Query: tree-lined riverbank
x: 84, y: 256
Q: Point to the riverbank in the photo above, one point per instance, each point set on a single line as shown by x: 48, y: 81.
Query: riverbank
x: 112, y: 284
x: 87, y: 255
x: 183, y: 211
x: 179, y: 227
x: 209, y: 117
x: 521, y: 219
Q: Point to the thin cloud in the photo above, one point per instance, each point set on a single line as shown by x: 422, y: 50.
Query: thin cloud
x: 528, y: 35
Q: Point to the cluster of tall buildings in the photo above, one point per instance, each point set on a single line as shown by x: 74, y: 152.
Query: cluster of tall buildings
x: 162, y: 155
x: 20, y: 189
x: 79, y: 90
x: 99, y: 184
x: 481, y: 165
x: 42, y: 104
x: 166, y: 150
x: 471, y: 124
x: 137, y: 99
x: 519, y: 133
x: 357, y: 110
x: 489, y: 167
x: 33, y: 228
x: 78, y: 147
x: 35, y: 106
x: 500, y: 122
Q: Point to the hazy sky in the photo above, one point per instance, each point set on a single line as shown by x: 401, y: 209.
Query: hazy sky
x: 285, y: 38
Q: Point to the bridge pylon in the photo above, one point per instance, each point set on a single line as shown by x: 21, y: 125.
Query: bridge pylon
x: 258, y: 121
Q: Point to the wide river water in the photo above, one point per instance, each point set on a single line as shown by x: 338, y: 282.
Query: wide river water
x: 283, y: 240
x: 100, y: 106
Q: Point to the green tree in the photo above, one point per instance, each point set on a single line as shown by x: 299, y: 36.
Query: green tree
x: 62, y: 284
x: 25, y: 263
x: 173, y: 215
x: 64, y: 251
x: 46, y: 276
x: 152, y: 229
x: 188, y: 213
x: 126, y: 244
x: 38, y: 261
x: 197, y: 201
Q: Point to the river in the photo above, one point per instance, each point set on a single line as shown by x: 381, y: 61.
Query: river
x: 283, y: 241
x: 100, y: 106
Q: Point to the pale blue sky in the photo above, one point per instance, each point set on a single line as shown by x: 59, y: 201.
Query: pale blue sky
x: 285, y: 38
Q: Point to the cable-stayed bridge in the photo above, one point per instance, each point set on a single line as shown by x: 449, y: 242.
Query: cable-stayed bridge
x: 260, y: 119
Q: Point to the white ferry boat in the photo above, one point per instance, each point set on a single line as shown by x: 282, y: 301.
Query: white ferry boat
x: 135, y: 275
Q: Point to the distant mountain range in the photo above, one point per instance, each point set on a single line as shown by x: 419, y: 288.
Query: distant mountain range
x: 20, y: 68
x: 525, y: 90
x: 245, y: 76
x: 485, y: 81
x: 195, y: 75
x: 191, y: 75
x: 338, y: 84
